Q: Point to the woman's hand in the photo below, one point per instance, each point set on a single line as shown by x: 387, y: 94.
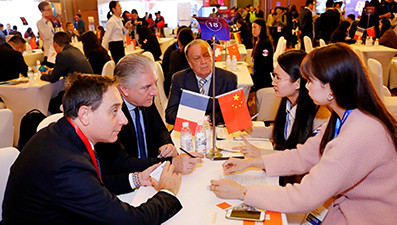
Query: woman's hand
x: 228, y: 189
x: 233, y: 165
x: 249, y: 150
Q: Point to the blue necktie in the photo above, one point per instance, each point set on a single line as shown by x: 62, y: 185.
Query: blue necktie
x: 139, y: 134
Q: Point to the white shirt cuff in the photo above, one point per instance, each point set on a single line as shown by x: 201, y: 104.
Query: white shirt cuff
x: 131, y: 181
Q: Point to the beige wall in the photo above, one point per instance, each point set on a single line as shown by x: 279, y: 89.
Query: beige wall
x: 85, y: 7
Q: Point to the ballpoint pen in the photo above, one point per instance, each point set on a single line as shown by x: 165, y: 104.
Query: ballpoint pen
x: 183, y: 150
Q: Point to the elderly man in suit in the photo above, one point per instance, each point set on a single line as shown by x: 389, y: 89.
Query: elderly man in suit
x: 198, y: 78
x: 57, y: 178
x: 144, y: 140
x: 11, y: 59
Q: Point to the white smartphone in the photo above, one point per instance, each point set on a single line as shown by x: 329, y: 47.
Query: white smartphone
x: 238, y: 214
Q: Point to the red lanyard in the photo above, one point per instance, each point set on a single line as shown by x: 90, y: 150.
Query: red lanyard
x: 88, y: 146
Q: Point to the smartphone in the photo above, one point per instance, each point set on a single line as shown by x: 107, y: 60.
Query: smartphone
x: 238, y: 214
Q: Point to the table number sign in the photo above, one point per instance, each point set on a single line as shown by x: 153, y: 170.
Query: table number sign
x: 211, y: 26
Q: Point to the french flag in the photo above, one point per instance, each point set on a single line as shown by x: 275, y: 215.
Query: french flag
x: 191, y: 109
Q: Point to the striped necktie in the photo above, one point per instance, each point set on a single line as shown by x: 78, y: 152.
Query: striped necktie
x: 201, y: 86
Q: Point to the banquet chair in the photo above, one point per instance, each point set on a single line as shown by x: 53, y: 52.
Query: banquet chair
x: 48, y: 120
x: 6, y: 128
x: 161, y: 98
x: 281, y: 44
x: 108, y: 68
x: 375, y: 73
x: 149, y: 55
x: 248, y: 58
x: 308, y: 44
x: 7, y: 158
x: 393, y: 73
x: 266, y: 104
x: 322, y: 43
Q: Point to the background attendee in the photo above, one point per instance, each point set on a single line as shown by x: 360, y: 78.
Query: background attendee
x: 292, y: 23
x: 29, y: 34
x: 305, y: 20
x: 259, y: 13
x: 79, y: 23
x: 137, y: 23
x: 352, y: 161
x: 340, y: 34
x: 165, y: 64
x: 263, y: 56
x: 57, y: 180
x: 46, y: 30
x: 100, y: 32
x: 387, y: 35
x: 2, y: 35
x: 388, y: 9
x: 159, y: 23
x: 351, y: 18
x: 149, y: 42
x: 95, y: 53
x: 245, y: 34
x: 279, y: 24
x: 198, y: 78
x: 115, y: 32
x: 71, y: 31
x: 151, y: 22
x: 373, y: 20
x: 11, y: 60
x: 328, y: 21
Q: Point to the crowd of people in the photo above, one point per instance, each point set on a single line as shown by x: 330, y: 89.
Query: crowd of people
x: 334, y: 137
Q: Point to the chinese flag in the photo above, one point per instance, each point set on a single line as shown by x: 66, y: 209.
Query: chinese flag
x: 235, y: 111
x: 233, y: 50
x: 128, y: 39
x: 218, y: 52
x: 33, y: 43
x: 371, y: 31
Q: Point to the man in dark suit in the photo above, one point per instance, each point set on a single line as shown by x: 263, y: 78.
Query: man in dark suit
x: 11, y: 59
x: 145, y: 136
x: 79, y: 24
x: 305, y: 20
x: 69, y: 59
x: 198, y: 78
x: 56, y: 179
x: 328, y: 21
x: 351, y: 18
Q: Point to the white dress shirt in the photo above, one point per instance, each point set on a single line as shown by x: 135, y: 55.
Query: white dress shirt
x: 290, y: 119
x: 115, y: 31
x: 46, y: 32
x: 206, y: 86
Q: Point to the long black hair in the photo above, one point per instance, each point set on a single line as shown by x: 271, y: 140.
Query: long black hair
x: 112, y: 5
x: 306, y: 110
x: 90, y: 43
x: 350, y: 85
x: 263, y: 37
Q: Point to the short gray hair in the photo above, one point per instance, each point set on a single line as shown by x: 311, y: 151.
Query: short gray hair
x: 197, y: 42
x: 130, y: 67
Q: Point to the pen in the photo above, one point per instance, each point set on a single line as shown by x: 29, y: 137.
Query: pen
x: 254, y: 116
x: 183, y: 150
x: 226, y: 158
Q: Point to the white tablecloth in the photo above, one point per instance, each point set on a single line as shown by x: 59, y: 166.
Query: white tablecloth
x: 31, y: 58
x: 381, y: 53
x: 22, y: 98
x: 244, y: 79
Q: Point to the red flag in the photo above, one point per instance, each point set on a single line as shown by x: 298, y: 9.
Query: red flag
x: 233, y: 50
x: 128, y: 39
x: 371, y: 32
x: 235, y: 111
x: 218, y: 52
x: 33, y: 43
x: 237, y: 37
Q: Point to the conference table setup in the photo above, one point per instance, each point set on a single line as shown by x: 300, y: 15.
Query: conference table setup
x: 200, y: 205
x: 20, y: 97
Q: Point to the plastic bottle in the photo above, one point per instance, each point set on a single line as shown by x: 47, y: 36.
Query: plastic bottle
x: 30, y: 75
x: 28, y: 48
x: 234, y: 63
x: 37, y: 72
x: 186, y: 137
x: 228, y: 63
x: 200, y: 138
x: 208, y: 131
x: 376, y: 43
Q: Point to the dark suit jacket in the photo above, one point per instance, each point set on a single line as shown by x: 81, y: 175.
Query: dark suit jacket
x: 328, y: 22
x: 68, y: 61
x: 352, y: 29
x: 177, y: 62
x: 306, y: 23
x: 186, y: 79
x: 151, y: 44
x: 53, y: 181
x: 97, y: 60
x: 11, y: 63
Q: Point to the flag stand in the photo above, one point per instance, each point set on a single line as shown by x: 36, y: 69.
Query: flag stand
x: 214, y: 153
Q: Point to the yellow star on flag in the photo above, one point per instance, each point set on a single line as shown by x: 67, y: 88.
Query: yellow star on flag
x: 236, y: 97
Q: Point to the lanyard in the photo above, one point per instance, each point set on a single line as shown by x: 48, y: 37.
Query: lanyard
x: 339, y: 123
x: 88, y: 146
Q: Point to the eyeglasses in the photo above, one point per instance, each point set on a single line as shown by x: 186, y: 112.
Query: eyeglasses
x: 276, y: 78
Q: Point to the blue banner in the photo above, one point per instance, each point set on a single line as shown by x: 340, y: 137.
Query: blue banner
x: 211, y: 26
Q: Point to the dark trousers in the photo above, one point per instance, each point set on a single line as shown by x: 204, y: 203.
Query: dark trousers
x: 117, y: 50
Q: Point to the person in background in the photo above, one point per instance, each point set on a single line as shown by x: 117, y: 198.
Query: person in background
x: 251, y: 16
x: 137, y: 23
x: 177, y: 58
x: 263, y: 56
x: 297, y: 118
x: 387, y: 35
x: 352, y: 160
x: 341, y: 32
x: 159, y: 24
x: 371, y: 20
x: 259, y: 13
x: 57, y: 178
x: 71, y: 31
x: 245, y: 33
x: 388, y: 9
x: 279, y: 24
x: 115, y: 32
x: 79, y: 23
x: 100, y: 32
x: 95, y: 53
x: 213, y: 14
x: 151, y: 22
x: 46, y: 30
x: 2, y: 35
x: 328, y: 21
x: 270, y: 23
x: 305, y: 20
x: 165, y: 64
x: 29, y: 34
x: 11, y: 59
x: 351, y: 18
x: 292, y: 24
x: 148, y: 42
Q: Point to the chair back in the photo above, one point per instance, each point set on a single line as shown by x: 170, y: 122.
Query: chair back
x: 161, y: 98
x: 322, y: 43
x: 248, y: 58
x: 149, y: 55
x: 375, y: 73
x: 281, y: 44
x: 48, y: 120
x: 7, y: 158
x: 6, y: 128
x: 308, y: 44
x: 266, y: 104
x: 108, y: 68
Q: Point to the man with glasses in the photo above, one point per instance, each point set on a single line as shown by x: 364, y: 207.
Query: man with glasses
x: 11, y: 59
x: 46, y: 30
x: 198, y: 78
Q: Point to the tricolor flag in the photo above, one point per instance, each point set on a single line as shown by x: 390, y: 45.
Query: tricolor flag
x: 234, y: 111
x: 233, y: 50
x: 371, y: 32
x: 237, y: 37
x: 191, y: 109
x: 359, y: 33
x: 218, y: 52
